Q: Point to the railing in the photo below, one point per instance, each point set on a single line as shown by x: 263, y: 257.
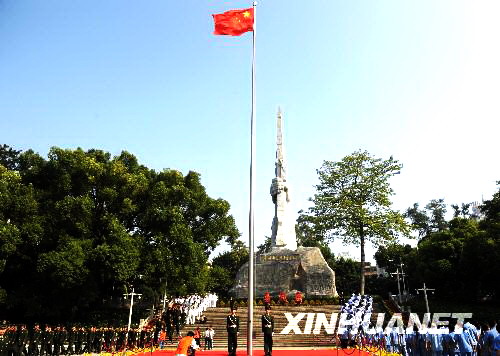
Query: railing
x: 354, y: 344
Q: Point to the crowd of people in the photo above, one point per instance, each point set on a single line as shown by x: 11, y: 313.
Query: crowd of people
x: 158, y: 331
x: 184, y: 311
x: 481, y: 340
x: 60, y: 340
x: 194, y: 305
x: 473, y: 340
x: 357, y: 306
x: 353, y: 312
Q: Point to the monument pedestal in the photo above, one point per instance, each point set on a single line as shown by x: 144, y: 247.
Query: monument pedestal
x: 286, y: 268
x: 282, y: 269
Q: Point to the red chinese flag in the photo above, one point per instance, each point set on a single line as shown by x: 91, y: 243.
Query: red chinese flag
x: 233, y: 22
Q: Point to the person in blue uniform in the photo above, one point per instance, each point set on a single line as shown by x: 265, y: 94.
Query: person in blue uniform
x: 496, y: 341
x: 464, y: 342
x: 489, y: 339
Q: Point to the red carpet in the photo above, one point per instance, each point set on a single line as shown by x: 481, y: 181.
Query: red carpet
x: 333, y: 352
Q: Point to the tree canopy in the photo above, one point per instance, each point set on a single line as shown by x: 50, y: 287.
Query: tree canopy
x: 430, y: 219
x: 77, y: 228
x: 352, y: 202
x: 225, y: 267
x: 459, y: 257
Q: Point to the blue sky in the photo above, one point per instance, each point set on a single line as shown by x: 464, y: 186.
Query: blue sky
x: 418, y: 80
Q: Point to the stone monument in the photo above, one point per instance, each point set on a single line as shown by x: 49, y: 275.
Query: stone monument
x: 283, y: 227
x: 286, y: 267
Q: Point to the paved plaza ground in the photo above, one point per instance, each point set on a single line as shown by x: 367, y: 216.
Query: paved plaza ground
x: 287, y: 352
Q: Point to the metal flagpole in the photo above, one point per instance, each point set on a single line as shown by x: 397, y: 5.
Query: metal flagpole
x: 252, y: 191
x: 130, y: 312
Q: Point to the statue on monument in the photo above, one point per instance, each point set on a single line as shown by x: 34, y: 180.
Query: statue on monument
x: 286, y: 267
x: 283, y: 227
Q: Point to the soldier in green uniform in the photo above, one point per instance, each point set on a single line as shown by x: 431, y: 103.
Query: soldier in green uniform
x: 4, y: 332
x: 54, y: 341
x: 98, y: 340
x: 121, y: 339
x: 9, y: 340
x: 79, y: 339
x: 46, y: 341
x: 108, y: 335
x: 59, y: 338
x: 132, y: 339
x: 34, y: 340
x: 89, y: 340
x: 71, y: 339
x: 22, y: 340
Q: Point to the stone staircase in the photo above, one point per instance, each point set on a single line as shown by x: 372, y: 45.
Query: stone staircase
x: 217, y: 318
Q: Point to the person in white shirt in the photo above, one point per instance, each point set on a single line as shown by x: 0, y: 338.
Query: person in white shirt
x: 209, y: 338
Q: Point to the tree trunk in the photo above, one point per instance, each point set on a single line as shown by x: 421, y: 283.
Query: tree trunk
x: 362, y: 243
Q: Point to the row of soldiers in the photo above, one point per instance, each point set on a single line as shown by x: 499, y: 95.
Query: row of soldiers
x: 35, y: 341
x: 20, y: 340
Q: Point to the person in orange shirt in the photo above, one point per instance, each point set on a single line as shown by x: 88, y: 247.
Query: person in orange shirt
x: 197, y: 336
x: 185, y: 343
x: 163, y: 338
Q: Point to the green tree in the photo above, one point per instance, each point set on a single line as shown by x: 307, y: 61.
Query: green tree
x: 428, y: 220
x: 491, y: 211
x: 77, y: 229
x: 180, y: 226
x: 352, y: 202
x: 420, y: 222
x: 18, y: 221
x: 226, y: 265
x: 220, y: 280
x: 490, y: 248
x: 439, y: 257
x: 392, y: 255
x: 265, y: 246
x: 461, y: 211
x: 9, y: 157
x: 437, y: 212
x: 448, y: 261
x: 307, y: 233
x: 308, y: 236
x: 347, y: 277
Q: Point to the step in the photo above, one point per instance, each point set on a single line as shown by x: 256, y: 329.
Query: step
x: 217, y: 319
